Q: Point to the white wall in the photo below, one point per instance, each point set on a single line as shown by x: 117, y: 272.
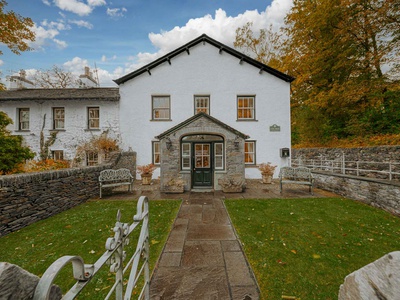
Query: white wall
x: 75, y: 132
x: 207, y: 72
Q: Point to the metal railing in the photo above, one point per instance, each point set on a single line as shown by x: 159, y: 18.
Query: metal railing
x: 114, y: 256
x: 380, y: 170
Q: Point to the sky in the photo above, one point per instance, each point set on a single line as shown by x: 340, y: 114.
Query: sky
x: 115, y: 37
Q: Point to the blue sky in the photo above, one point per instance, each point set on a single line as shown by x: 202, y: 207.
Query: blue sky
x: 119, y: 36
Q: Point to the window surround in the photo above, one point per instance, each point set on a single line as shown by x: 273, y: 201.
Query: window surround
x: 197, y: 108
x: 248, y: 108
x: 156, y: 152
x: 23, y: 119
x: 250, y: 153
x: 58, y: 119
x: 164, y: 109
x: 91, y: 120
x: 57, y: 154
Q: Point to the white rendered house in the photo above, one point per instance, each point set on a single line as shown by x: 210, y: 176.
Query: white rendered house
x: 206, y: 111
x: 76, y: 115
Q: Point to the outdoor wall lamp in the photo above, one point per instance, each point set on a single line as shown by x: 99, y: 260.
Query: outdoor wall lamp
x: 169, y: 143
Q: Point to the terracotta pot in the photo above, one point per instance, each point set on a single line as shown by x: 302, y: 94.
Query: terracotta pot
x: 146, y: 179
x: 266, y: 178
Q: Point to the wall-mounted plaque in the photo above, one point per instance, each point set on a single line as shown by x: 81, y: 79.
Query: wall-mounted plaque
x: 274, y: 128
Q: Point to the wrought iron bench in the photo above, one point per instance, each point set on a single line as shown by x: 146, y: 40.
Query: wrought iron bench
x: 112, y: 178
x: 300, y: 175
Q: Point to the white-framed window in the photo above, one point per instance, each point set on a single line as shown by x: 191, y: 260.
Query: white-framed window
x: 161, y: 107
x: 186, y: 156
x: 250, y: 152
x: 92, y: 158
x: 23, y: 118
x: 156, y: 153
x: 93, y: 117
x: 246, y: 107
x: 202, y: 104
x: 58, y: 118
x: 219, y: 156
x: 57, y: 154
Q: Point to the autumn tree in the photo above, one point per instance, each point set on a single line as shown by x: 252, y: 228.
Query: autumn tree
x: 344, y: 55
x: 12, y: 152
x: 15, y: 31
x: 337, y: 51
x: 264, y: 46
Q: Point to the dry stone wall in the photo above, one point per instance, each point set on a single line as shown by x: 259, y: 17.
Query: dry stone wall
x: 383, y: 194
x: 28, y: 198
x: 378, y: 154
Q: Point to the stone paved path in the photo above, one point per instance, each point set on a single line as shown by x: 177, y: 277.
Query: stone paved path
x: 202, y: 258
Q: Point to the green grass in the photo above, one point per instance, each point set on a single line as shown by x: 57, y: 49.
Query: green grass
x: 83, y: 231
x: 306, y: 247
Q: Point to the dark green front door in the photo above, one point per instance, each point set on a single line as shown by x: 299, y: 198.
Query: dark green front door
x: 202, y: 170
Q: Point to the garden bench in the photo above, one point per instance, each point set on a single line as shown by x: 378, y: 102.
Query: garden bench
x: 299, y: 175
x: 113, y: 178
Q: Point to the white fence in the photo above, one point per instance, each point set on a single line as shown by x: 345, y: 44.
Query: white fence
x: 114, y: 256
x: 380, y: 170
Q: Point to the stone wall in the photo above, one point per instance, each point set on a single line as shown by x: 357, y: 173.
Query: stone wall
x: 378, y: 154
x: 378, y: 193
x: 28, y: 198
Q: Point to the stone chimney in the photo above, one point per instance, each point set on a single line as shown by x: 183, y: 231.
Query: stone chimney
x: 86, y: 80
x: 19, y: 81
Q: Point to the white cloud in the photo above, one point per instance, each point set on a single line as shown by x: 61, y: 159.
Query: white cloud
x: 47, y: 2
x: 1, y: 62
x: 220, y: 27
x: 96, y: 2
x: 60, y: 25
x: 105, y: 58
x: 116, y: 12
x: 81, y: 23
x: 60, y: 44
x: 42, y: 36
x: 78, y: 7
x: 74, y: 6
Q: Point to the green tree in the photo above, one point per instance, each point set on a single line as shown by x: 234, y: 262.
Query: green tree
x: 12, y: 153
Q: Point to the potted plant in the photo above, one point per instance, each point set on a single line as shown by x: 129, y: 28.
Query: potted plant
x: 267, y: 171
x: 146, y: 172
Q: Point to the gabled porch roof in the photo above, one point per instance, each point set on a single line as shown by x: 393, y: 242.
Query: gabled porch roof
x: 196, y: 117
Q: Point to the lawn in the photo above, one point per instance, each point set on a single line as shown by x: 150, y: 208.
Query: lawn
x: 83, y: 231
x: 306, y: 247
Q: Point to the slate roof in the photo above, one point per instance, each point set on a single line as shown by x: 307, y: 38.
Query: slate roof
x: 202, y: 39
x: 104, y: 94
x: 196, y: 117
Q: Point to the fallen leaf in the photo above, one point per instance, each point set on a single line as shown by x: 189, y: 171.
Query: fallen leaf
x: 293, y: 251
x: 153, y: 242
x: 281, y: 262
x: 92, y: 252
x: 316, y: 256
